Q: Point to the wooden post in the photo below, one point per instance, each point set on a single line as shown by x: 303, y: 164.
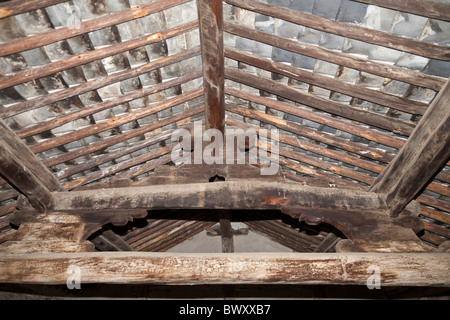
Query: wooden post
x: 422, y: 156
x: 211, y: 38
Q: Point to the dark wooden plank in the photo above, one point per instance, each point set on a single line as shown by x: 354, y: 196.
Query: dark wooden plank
x: 385, y: 99
x: 403, y: 269
x: 211, y: 37
x: 28, y: 158
x: 426, y: 8
x: 18, y: 175
x: 326, y: 105
x: 384, y: 70
x: 83, y: 58
x: 110, y: 241
x: 422, y: 156
x: 249, y: 194
x: 347, y: 30
x: 42, y: 39
x: 13, y: 7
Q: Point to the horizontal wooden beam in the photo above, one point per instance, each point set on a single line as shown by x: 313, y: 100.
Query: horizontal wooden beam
x: 14, y: 7
x: 83, y: 58
x: 325, y: 105
x: 406, y: 269
x: 249, y: 194
x: 427, y: 8
x: 378, y: 97
x: 347, y: 60
x: 347, y: 30
x: 42, y: 39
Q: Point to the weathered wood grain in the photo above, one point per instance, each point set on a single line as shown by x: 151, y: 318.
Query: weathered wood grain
x: 20, y: 176
x: 407, y: 269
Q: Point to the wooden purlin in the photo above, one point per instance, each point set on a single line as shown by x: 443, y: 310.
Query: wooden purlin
x: 46, y: 38
x: 379, y: 97
x: 83, y: 58
x: 94, y: 84
x: 14, y: 7
x: 347, y: 60
x: 427, y: 8
x: 347, y: 30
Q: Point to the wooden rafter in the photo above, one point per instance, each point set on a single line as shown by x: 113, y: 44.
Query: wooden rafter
x: 423, y: 155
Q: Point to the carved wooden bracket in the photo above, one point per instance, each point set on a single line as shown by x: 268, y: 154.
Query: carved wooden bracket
x: 370, y: 231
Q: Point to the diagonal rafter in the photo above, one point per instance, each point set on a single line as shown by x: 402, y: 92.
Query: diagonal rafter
x: 423, y: 155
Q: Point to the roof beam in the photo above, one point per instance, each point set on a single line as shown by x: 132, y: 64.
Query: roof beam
x: 15, y: 7
x: 20, y: 166
x: 343, y: 59
x: 402, y: 269
x: 210, y: 14
x: 426, y: 8
x: 423, y: 155
x: 248, y: 194
x: 348, y: 30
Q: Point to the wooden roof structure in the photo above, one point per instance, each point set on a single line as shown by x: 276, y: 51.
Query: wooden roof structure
x: 92, y: 91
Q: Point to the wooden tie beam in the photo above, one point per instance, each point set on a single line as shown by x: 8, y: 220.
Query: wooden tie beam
x: 372, y: 220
